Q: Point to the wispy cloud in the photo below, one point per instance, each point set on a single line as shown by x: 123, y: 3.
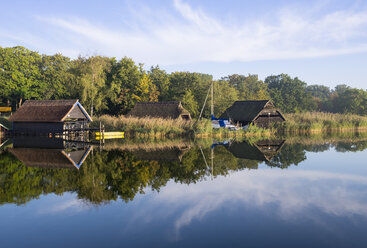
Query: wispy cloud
x: 189, y: 35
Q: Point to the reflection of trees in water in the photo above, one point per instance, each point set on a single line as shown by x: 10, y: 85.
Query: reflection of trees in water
x: 351, y: 146
x: 109, y: 175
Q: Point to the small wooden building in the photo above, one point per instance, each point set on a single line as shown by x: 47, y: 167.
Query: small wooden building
x: 44, y: 117
x: 172, y: 110
x: 261, y: 113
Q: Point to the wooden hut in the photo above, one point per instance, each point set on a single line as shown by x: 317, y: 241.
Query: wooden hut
x: 172, y: 110
x: 261, y: 113
x: 50, y: 117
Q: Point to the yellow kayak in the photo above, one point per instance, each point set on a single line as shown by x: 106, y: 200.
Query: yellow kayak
x: 110, y: 135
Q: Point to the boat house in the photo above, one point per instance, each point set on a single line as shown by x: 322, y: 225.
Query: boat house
x: 172, y: 110
x: 261, y: 113
x: 45, y: 117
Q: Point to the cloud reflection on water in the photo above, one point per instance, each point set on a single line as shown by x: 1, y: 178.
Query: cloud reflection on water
x: 289, y: 193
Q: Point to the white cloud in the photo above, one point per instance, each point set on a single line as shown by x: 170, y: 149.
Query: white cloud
x: 192, y: 35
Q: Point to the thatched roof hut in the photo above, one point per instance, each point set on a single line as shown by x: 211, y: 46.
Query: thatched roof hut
x: 49, y: 116
x: 172, y: 110
x: 259, y: 112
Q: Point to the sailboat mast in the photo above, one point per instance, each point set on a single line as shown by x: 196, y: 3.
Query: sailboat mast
x: 212, y: 100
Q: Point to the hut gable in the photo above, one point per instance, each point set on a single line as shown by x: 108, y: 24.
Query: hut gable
x: 165, y: 110
x: 49, y: 111
x: 260, y: 112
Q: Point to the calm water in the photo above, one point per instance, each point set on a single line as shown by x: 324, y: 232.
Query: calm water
x: 293, y: 193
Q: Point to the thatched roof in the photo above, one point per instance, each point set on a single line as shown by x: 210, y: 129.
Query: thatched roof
x: 171, y: 110
x: 46, y: 111
x: 245, y: 111
x: 50, y: 158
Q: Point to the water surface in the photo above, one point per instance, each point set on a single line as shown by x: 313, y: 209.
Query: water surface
x: 279, y: 193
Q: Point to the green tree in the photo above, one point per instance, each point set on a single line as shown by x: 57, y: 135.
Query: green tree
x: 290, y: 94
x: 20, y: 75
x: 197, y: 83
x: 248, y: 87
x: 189, y: 103
x: 224, y: 96
x: 129, y: 84
x: 161, y: 80
x: 91, y: 76
x: 56, y: 73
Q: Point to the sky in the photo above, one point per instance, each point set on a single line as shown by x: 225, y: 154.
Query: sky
x: 318, y: 41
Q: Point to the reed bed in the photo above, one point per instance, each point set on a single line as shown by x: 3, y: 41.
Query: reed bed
x: 313, y: 122
x: 151, y: 127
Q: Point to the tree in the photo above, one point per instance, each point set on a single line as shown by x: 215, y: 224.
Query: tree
x: 248, y: 87
x: 189, y: 103
x: 161, y: 80
x: 224, y: 96
x: 129, y: 84
x: 55, y: 72
x: 20, y: 75
x: 91, y: 81
x: 321, y: 95
x: 197, y: 83
x: 289, y: 94
x: 353, y: 101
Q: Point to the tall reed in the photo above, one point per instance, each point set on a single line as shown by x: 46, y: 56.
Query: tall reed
x: 320, y: 122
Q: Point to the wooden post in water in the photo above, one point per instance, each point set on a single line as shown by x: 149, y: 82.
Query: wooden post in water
x: 103, y: 133
x: 100, y: 136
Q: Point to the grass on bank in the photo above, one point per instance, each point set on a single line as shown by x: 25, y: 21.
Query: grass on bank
x: 318, y: 122
x: 159, y: 128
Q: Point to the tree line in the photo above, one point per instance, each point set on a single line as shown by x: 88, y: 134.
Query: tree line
x: 106, y: 85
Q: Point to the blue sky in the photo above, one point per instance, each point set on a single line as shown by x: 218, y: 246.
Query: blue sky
x: 321, y: 42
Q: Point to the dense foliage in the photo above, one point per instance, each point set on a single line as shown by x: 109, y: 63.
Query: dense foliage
x: 109, y: 86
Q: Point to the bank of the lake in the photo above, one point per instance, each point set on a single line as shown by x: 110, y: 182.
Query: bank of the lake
x: 318, y: 122
x: 160, y: 128
x: 298, y: 123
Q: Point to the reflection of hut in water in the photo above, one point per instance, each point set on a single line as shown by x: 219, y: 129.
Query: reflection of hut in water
x: 263, y: 150
x: 3, y: 129
x: 49, y: 153
x: 50, y: 158
x: 50, y: 117
x: 167, y: 154
x: 172, y: 110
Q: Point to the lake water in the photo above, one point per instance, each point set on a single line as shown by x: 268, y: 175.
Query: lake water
x: 278, y: 193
